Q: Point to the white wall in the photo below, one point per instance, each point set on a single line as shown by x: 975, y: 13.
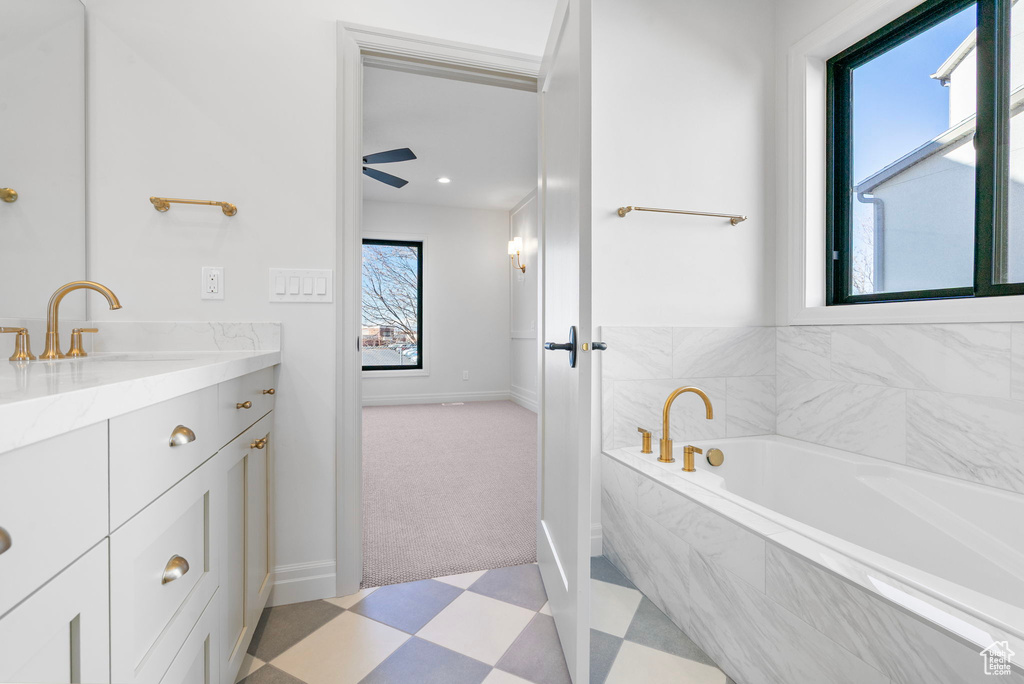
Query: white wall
x: 236, y: 100
x: 465, y: 304
x: 523, y: 224
x: 683, y: 99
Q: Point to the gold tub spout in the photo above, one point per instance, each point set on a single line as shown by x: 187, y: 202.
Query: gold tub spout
x: 52, y: 350
x: 666, y: 441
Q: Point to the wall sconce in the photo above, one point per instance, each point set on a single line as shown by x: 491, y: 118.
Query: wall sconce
x: 515, y: 247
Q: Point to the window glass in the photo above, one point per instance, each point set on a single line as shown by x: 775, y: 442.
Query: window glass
x: 1008, y: 266
x: 912, y: 181
x: 392, y: 303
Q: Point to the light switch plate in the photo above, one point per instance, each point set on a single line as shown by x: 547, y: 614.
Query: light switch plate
x: 301, y: 285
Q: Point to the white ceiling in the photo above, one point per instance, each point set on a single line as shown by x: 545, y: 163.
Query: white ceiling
x: 482, y: 137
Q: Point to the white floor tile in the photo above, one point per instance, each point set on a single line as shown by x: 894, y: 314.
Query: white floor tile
x: 249, y: 665
x: 477, y: 626
x: 344, y: 650
x: 546, y: 609
x: 462, y: 581
x: 499, y: 677
x: 351, y: 600
x: 612, y: 607
x: 636, y: 663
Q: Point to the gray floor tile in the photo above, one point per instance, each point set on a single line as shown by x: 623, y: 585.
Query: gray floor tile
x: 407, y: 606
x: 603, y: 649
x: 650, y: 627
x: 268, y: 674
x: 520, y: 585
x: 602, y: 569
x: 536, y: 655
x: 426, y: 663
x: 282, y: 627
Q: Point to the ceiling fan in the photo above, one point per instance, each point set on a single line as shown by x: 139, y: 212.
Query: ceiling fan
x: 399, y: 155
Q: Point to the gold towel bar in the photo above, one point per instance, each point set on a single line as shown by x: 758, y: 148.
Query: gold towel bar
x: 733, y: 218
x: 164, y: 203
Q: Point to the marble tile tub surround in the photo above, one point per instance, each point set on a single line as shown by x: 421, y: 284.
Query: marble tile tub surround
x: 944, y: 398
x: 742, y: 594
x: 642, y: 365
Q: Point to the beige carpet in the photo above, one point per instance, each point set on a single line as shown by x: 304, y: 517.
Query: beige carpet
x: 447, y: 490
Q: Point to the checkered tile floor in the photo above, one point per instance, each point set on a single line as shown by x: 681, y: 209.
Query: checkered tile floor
x: 490, y: 626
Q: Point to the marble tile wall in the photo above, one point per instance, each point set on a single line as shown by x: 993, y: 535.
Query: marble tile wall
x: 141, y: 336
x: 765, y: 614
x: 735, y: 366
x: 944, y: 398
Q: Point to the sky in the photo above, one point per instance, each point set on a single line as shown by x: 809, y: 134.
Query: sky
x: 897, y: 105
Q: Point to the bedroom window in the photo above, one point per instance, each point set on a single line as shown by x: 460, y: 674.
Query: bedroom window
x: 392, y: 337
x: 926, y: 157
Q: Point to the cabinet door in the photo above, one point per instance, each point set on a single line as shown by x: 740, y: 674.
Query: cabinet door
x: 258, y: 530
x: 61, y: 633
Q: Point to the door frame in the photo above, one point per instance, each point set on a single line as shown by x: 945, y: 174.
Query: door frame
x: 359, y: 46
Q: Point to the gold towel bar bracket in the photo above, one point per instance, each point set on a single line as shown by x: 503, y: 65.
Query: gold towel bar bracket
x: 733, y: 218
x: 164, y: 203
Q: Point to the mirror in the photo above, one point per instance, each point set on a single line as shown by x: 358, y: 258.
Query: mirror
x: 42, y: 155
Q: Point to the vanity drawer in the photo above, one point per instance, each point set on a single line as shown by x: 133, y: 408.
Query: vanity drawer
x: 197, y: 661
x: 152, y: 607
x: 152, y: 448
x: 53, y: 508
x: 252, y: 390
x: 61, y: 633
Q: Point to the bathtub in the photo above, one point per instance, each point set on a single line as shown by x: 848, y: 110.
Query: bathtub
x: 909, y: 573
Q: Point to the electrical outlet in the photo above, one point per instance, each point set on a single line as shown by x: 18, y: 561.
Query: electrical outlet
x: 465, y: 375
x: 212, y: 285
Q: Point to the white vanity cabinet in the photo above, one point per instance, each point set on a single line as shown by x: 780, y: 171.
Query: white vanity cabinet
x: 141, y: 546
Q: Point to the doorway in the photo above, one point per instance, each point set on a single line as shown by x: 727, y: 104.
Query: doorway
x: 449, y: 455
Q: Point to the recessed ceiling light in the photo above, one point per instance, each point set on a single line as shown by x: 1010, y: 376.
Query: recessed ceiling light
x: 444, y: 179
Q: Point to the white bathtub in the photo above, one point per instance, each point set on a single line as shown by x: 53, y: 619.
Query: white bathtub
x: 946, y: 550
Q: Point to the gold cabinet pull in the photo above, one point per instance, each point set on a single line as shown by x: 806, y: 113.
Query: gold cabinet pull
x: 5, y: 541
x: 175, y: 569
x: 244, y: 405
x: 8, y: 195
x: 270, y: 391
x: 258, y: 443
x: 181, y: 436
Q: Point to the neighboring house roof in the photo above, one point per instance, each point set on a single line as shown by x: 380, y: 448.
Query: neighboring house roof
x: 953, y: 61
x: 938, y: 144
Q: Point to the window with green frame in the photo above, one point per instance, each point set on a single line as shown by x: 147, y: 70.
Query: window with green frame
x: 925, y: 167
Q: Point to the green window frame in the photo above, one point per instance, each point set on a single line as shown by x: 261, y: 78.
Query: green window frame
x: 991, y: 146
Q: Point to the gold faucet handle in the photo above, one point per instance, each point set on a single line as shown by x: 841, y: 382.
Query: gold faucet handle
x: 646, y: 443
x: 77, y: 351
x: 22, y: 344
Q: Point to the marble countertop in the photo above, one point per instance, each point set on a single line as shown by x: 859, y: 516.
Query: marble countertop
x: 42, y: 399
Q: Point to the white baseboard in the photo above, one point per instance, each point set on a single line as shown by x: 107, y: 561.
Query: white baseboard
x: 525, y: 398
x: 402, y: 399
x: 596, y: 546
x: 303, y: 582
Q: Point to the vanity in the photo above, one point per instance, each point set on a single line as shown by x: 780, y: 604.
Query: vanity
x: 135, y: 495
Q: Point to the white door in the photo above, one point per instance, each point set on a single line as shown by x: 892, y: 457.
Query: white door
x: 563, y: 530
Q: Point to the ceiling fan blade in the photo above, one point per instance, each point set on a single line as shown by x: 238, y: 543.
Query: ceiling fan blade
x: 399, y: 155
x: 393, y: 181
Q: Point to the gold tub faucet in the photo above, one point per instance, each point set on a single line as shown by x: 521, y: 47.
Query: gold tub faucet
x: 52, y: 350
x: 666, y: 441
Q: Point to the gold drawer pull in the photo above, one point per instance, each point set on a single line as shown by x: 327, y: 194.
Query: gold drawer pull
x: 244, y: 405
x: 258, y: 443
x: 270, y: 391
x: 175, y: 569
x: 5, y: 541
x: 181, y: 436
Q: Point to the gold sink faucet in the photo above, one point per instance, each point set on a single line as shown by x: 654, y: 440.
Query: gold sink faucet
x: 52, y: 350
x: 666, y: 441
